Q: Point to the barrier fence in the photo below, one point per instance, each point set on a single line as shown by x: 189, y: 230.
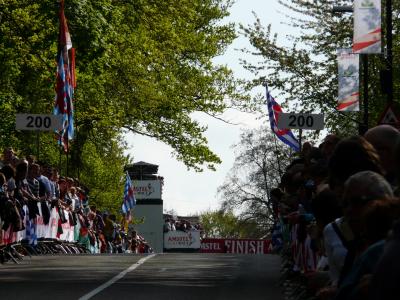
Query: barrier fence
x: 39, y: 228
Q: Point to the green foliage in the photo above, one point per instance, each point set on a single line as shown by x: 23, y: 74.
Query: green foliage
x: 306, y: 69
x: 142, y: 65
x: 101, y: 172
x: 224, y: 224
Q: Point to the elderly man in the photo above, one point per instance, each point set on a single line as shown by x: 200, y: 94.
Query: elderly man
x: 384, y: 139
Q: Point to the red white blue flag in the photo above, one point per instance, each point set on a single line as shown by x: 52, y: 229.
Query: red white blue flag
x: 129, y: 197
x: 66, y: 82
x: 285, y: 135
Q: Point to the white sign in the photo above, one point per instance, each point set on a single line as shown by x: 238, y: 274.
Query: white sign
x: 38, y: 122
x: 301, y: 121
x: 182, y: 240
x: 367, y: 26
x: 147, y: 189
x: 349, y: 80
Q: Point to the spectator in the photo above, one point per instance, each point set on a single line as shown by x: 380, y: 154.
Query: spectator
x: 31, y: 159
x: 48, y: 172
x: 328, y: 145
x: 379, y: 217
x: 9, y: 157
x: 167, y: 225
x: 22, y: 191
x: 342, y: 238
x: 33, y: 173
x: 44, y: 184
x: 351, y: 155
x: 63, y: 192
x: 108, y: 227
x: 134, y: 242
x: 397, y: 169
x: 325, y: 208
x: 75, y: 201
x: 385, y: 279
x: 173, y: 227
x: 384, y: 138
x: 54, y: 179
x: 9, y: 173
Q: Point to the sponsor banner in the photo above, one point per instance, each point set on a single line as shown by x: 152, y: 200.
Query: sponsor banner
x: 182, y: 240
x: 237, y: 246
x: 348, y: 75
x: 367, y: 26
x: 42, y: 230
x: 147, y: 189
x: 68, y: 230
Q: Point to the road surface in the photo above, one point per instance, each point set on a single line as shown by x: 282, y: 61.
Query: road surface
x: 174, y: 276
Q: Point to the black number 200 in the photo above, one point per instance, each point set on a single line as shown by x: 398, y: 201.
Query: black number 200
x: 300, y: 121
x: 38, y: 122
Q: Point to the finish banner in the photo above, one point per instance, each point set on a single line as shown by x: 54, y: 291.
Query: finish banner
x: 237, y: 246
x: 367, y: 26
x: 349, y: 80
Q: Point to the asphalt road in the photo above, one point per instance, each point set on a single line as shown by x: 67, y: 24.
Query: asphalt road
x: 163, y: 276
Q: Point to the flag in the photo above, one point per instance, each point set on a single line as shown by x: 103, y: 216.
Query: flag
x: 348, y: 75
x: 129, y: 197
x: 367, y: 26
x: 30, y: 228
x: 285, y: 135
x: 66, y: 82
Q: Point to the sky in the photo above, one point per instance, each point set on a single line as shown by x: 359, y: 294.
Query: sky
x: 188, y: 192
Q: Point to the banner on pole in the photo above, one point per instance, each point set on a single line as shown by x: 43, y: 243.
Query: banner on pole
x: 367, y: 26
x: 348, y: 74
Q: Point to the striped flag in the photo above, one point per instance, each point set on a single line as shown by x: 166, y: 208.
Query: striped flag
x: 66, y: 82
x: 129, y: 198
x: 285, y: 135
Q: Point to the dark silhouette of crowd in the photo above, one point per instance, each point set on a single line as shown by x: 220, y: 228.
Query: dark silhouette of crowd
x: 337, y: 216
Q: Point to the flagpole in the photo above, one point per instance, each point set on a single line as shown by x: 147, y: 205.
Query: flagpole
x: 279, y: 161
x: 59, y: 159
x: 67, y: 153
x: 389, y: 46
x: 300, y: 139
x: 365, y: 95
x: 38, y: 144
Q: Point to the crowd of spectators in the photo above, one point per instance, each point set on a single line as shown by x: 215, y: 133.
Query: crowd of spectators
x: 337, y: 216
x: 180, y: 224
x: 30, y: 191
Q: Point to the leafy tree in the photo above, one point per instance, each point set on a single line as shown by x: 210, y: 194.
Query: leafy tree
x: 143, y: 66
x: 259, y: 164
x: 224, y: 224
x: 306, y: 70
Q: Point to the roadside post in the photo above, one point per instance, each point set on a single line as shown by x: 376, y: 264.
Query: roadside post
x: 38, y: 123
x: 301, y: 121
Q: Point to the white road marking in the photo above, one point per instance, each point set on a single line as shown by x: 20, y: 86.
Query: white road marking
x: 116, y: 278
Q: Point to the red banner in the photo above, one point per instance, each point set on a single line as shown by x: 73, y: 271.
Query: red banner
x: 237, y: 246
